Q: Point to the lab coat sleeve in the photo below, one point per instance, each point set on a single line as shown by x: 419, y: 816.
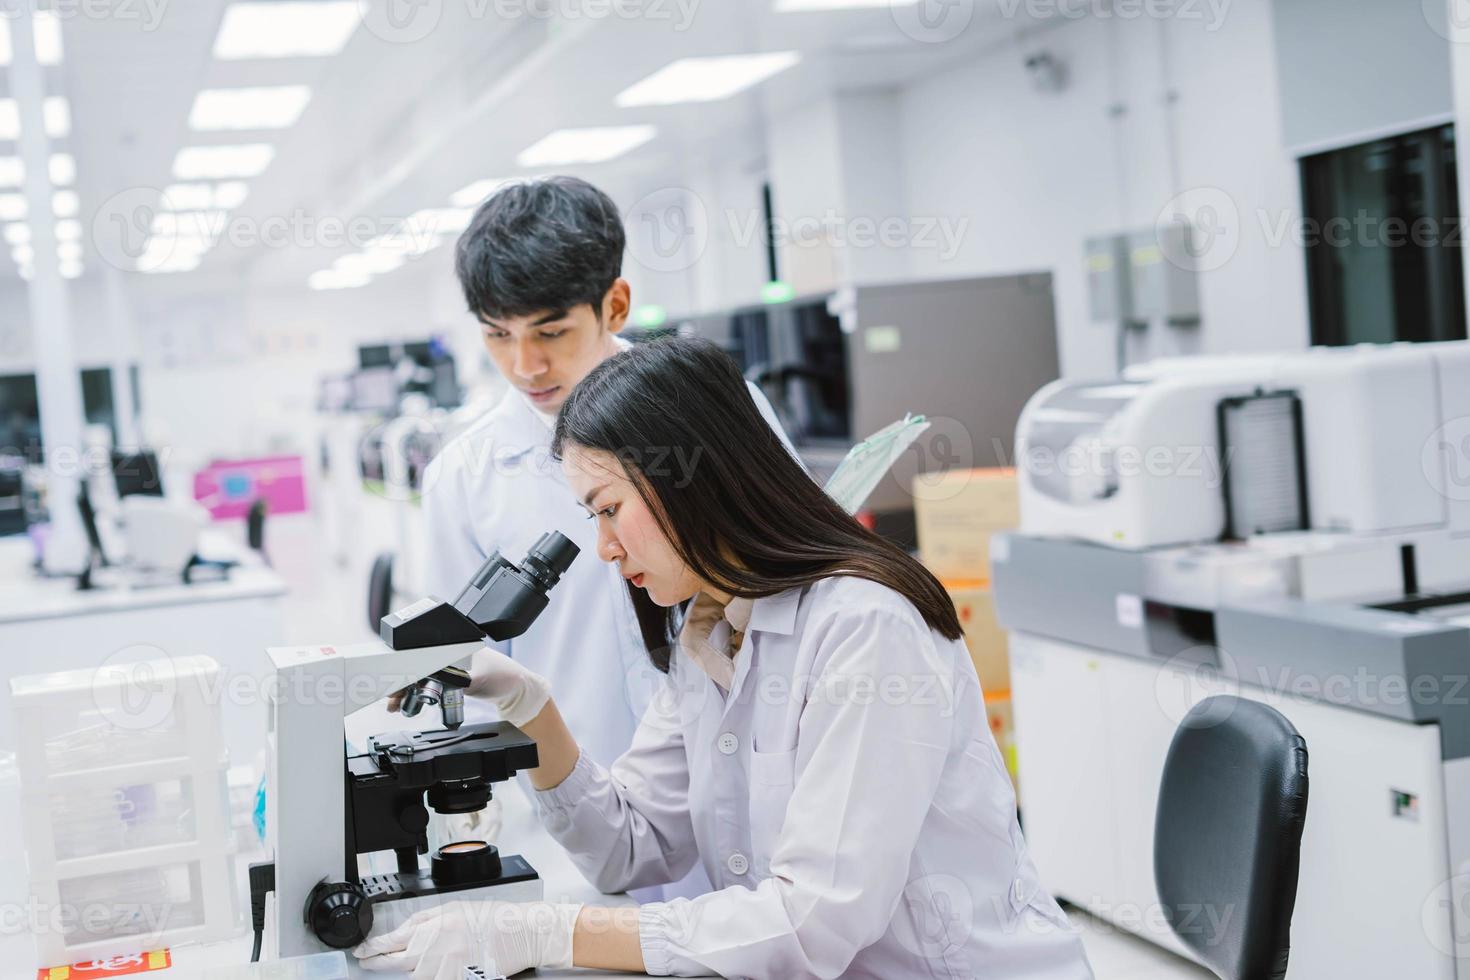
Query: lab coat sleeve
x: 629, y: 827
x: 859, y: 798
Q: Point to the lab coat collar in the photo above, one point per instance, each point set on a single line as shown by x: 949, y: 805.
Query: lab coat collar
x: 522, y: 428
x: 775, y: 613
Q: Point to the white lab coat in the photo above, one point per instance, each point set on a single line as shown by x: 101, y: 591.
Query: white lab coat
x: 846, y: 797
x: 496, y: 486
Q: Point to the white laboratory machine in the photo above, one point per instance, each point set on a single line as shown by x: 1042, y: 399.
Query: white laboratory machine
x: 1293, y: 528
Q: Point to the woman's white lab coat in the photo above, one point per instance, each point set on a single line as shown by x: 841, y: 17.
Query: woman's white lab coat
x: 496, y: 487
x: 846, y: 798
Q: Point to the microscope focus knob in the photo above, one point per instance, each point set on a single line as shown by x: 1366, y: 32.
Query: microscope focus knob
x: 339, y: 914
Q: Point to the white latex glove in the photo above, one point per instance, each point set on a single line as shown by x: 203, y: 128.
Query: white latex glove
x: 501, y: 938
x: 517, y: 692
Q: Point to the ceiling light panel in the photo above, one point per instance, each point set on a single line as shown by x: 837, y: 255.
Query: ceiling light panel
x: 592, y: 145
x: 706, y: 79
x: 273, y: 107
x: 47, y: 28
x: 474, y: 194
x: 63, y: 170
x: 293, y: 29
x: 206, y: 162
x: 205, y: 197
x: 803, y: 6
x: 337, y: 279
x: 55, y: 111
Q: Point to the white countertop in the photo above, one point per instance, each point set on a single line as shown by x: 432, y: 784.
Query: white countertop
x: 27, y: 596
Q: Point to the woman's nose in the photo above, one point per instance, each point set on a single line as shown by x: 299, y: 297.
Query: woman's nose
x: 608, y: 547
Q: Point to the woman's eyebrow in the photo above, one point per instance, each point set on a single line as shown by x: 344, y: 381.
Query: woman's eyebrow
x: 587, y: 500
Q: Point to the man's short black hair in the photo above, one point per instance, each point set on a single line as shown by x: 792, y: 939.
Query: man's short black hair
x: 547, y: 244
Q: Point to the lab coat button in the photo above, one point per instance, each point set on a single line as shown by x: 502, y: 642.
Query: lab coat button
x: 738, y: 864
x: 1018, y: 891
x: 728, y: 744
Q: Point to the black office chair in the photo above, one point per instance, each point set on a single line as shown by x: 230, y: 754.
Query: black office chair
x: 1227, y: 836
x: 380, y: 590
x: 255, y: 528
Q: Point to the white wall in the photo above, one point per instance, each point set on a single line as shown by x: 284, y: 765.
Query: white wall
x: 1037, y: 172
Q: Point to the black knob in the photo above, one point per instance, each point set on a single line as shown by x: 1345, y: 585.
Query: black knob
x: 339, y: 914
x: 413, y: 818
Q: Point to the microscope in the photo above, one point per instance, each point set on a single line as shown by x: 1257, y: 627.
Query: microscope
x: 327, y: 808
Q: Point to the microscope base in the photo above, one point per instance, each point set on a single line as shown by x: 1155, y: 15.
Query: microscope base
x: 395, y: 897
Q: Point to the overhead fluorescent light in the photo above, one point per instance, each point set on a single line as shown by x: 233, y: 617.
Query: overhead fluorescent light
x: 17, y: 234
x: 12, y: 207
x: 337, y: 279
x: 294, y: 29
x: 205, y: 162
x: 205, y: 197
x: 55, y: 111
x: 595, y: 144
x: 438, y: 221
x: 230, y: 194
x: 68, y: 230
x: 705, y: 79
x: 65, y: 204
x: 69, y: 251
x: 70, y: 270
x: 802, y: 6
x: 189, y: 224
x: 188, y: 197
x: 168, y: 262
x: 474, y: 194
x: 368, y: 262
x: 272, y: 107
x: 23, y: 254
x: 47, y: 28
x: 63, y: 168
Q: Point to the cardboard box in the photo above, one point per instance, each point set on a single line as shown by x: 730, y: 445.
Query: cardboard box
x: 955, y: 513
x: 1003, y: 727
x: 983, y: 635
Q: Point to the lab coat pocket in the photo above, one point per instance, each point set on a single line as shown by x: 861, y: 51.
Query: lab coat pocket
x: 772, y: 776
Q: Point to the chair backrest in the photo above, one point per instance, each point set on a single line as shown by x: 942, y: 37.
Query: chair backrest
x: 255, y: 525
x: 380, y: 590
x: 1227, y: 836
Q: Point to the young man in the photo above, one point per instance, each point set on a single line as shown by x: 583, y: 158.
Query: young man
x: 540, y: 266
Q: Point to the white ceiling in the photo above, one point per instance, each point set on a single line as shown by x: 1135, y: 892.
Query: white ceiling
x: 399, y: 124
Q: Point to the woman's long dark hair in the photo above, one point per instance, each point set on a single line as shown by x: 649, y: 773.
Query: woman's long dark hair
x: 734, y: 504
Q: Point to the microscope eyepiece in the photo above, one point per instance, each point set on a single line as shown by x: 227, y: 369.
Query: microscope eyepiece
x: 549, y: 558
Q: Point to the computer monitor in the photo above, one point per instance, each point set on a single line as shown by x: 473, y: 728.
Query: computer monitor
x: 375, y: 390
x: 136, y: 473
x: 374, y: 356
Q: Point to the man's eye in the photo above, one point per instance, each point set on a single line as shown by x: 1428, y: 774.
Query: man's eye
x: 496, y: 334
x: 552, y: 334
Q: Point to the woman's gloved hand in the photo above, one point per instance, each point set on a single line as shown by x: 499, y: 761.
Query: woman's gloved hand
x: 501, y: 938
x: 517, y: 692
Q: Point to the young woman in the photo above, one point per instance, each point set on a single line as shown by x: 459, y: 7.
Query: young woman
x: 820, y: 746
